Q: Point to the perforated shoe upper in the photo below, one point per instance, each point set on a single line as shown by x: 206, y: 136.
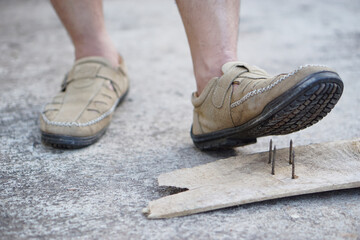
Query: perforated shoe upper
x: 88, y: 98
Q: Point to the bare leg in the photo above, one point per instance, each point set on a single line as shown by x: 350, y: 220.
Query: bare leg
x: 84, y: 21
x: 212, y: 30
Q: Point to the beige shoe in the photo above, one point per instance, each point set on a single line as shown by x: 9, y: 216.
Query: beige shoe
x: 79, y: 115
x: 247, y: 103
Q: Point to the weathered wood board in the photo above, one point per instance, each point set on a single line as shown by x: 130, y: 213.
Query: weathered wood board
x: 245, y: 179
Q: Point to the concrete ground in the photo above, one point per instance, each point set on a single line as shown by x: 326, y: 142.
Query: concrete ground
x: 98, y: 192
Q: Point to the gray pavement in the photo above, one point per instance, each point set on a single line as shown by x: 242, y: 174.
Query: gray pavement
x: 98, y: 192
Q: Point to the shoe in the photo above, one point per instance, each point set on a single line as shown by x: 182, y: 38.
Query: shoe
x: 246, y: 103
x: 80, y: 113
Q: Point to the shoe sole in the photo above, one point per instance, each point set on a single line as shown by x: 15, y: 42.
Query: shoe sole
x: 298, y: 108
x: 71, y: 142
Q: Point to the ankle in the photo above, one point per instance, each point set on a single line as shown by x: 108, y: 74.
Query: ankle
x: 97, y: 47
x: 205, y: 71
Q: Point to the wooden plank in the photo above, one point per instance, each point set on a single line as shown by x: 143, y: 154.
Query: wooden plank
x: 246, y: 179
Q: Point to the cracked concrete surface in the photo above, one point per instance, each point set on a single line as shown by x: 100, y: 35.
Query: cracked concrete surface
x: 99, y: 191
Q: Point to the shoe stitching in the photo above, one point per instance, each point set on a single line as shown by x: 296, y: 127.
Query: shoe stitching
x: 237, y: 73
x: 105, y: 95
x: 267, y: 88
x: 76, y: 124
x: 94, y: 121
x: 90, y: 101
x: 98, y: 101
x: 247, y: 84
x: 93, y: 110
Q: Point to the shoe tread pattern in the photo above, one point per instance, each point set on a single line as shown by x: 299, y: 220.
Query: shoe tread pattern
x: 304, y: 111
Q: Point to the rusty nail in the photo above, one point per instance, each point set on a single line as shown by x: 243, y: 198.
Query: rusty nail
x: 290, y: 151
x: 293, y: 165
x: 270, y: 151
x: 273, y: 162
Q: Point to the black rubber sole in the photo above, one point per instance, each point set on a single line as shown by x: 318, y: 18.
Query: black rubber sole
x: 71, y: 142
x: 298, y: 108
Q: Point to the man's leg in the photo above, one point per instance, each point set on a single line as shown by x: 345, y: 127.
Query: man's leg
x: 84, y: 21
x: 81, y: 112
x: 236, y: 102
x: 212, y: 30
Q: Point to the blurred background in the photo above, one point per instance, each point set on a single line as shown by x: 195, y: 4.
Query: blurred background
x: 99, y: 191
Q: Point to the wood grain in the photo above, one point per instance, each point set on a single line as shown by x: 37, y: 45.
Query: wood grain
x: 246, y: 179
